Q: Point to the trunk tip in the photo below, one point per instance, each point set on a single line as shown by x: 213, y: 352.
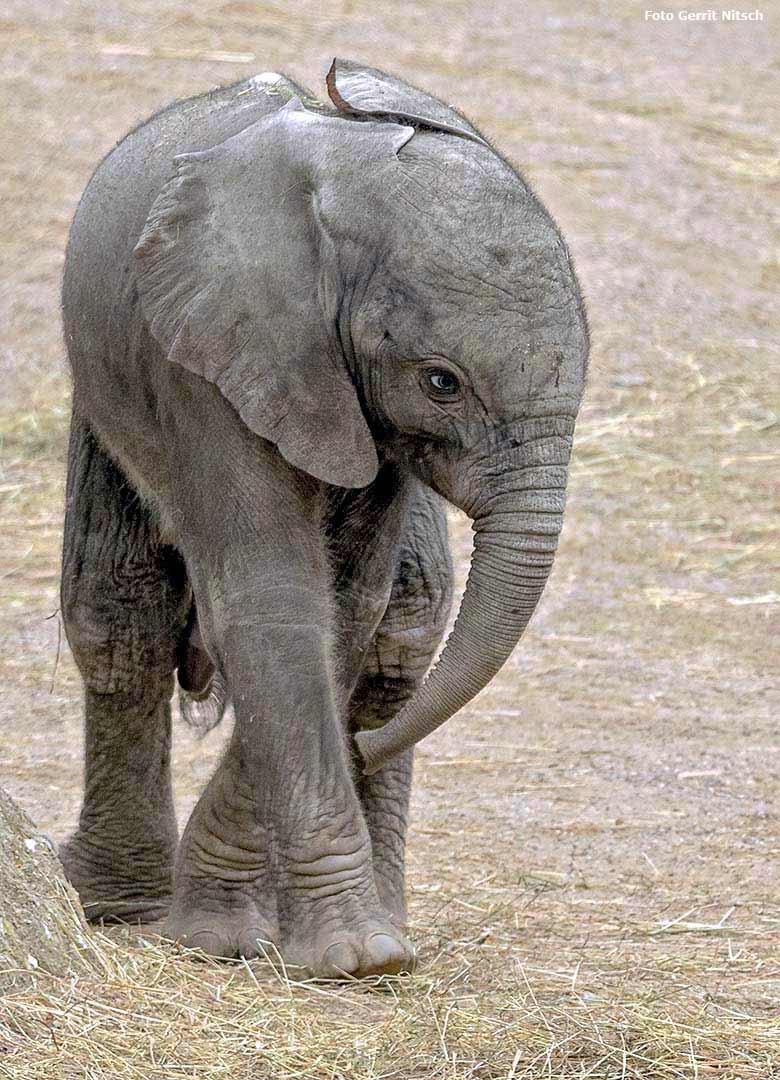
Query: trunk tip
x: 369, y: 744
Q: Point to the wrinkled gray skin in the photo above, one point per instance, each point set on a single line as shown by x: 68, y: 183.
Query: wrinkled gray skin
x: 265, y: 336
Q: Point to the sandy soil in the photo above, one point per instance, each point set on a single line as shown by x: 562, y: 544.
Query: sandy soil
x: 605, y: 814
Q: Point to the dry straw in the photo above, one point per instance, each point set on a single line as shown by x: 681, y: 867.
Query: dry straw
x: 146, y: 1011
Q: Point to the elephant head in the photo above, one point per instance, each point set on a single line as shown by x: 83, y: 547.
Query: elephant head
x: 375, y: 282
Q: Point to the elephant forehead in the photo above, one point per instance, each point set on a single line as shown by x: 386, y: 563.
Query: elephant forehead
x: 485, y: 333
x: 485, y: 269
x: 460, y: 291
x: 511, y: 363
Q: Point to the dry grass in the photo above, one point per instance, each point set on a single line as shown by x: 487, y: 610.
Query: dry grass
x: 146, y: 1012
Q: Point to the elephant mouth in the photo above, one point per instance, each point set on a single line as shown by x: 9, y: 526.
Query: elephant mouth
x: 517, y: 519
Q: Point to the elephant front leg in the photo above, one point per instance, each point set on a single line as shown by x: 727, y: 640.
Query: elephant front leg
x: 379, y: 695
x: 402, y: 648
x: 385, y: 799
x: 278, y: 848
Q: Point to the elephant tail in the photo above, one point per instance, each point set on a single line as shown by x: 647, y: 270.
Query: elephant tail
x: 202, y: 712
x: 202, y: 686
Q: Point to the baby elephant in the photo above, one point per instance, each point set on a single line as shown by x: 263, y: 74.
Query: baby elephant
x: 293, y: 328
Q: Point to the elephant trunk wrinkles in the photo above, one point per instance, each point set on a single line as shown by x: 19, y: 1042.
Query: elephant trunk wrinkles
x: 516, y: 526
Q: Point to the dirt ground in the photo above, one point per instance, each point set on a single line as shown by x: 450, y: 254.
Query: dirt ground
x: 594, y: 856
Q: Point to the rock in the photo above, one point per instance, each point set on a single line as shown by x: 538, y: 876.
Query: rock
x: 42, y: 926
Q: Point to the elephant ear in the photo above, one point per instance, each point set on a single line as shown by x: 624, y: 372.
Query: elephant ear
x: 354, y: 88
x: 238, y: 282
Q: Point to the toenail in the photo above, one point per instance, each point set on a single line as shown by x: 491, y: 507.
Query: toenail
x: 388, y: 950
x: 341, y: 957
x: 206, y: 941
x: 255, y: 942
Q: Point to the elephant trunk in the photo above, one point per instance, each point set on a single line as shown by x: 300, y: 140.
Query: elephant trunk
x: 516, y: 527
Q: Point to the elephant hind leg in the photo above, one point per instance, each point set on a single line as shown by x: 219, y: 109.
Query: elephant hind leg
x: 125, y: 600
x: 403, y: 647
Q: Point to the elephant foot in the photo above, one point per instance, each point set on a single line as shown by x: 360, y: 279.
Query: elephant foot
x: 322, y: 918
x: 335, y: 923
x: 372, y: 946
x: 236, y: 931
x: 313, y: 895
x: 131, y: 887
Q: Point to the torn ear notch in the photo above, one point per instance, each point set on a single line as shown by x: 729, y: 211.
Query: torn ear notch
x: 354, y: 88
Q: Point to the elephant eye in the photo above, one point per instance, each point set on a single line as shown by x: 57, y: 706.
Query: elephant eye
x: 441, y: 384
